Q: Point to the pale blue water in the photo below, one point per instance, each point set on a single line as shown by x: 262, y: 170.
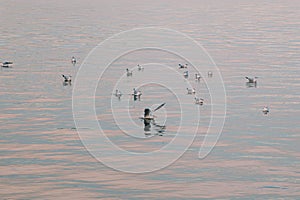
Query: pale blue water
x: 257, y: 156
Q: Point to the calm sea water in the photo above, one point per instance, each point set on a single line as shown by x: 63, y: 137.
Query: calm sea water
x: 257, y: 156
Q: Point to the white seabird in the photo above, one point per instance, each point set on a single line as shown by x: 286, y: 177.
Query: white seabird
x: 118, y: 93
x: 67, y: 78
x: 190, y: 91
x: 129, y: 73
x: 209, y: 74
x: 73, y: 60
x: 197, y: 77
x: 183, y: 66
x: 186, y: 74
x: 199, y: 101
x: 140, y: 68
x: 6, y: 64
x: 251, y: 80
x: 266, y: 110
x: 136, y: 94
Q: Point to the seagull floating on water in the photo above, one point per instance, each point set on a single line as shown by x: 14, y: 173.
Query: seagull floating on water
x: 67, y: 78
x: 182, y: 66
x: 209, y: 74
x: 251, y: 80
x: 118, y: 94
x: 129, y: 73
x: 266, y: 110
x: 136, y: 94
x: 140, y: 68
x: 6, y: 64
x: 199, y: 101
x: 73, y: 60
x: 197, y: 77
x: 186, y: 74
x: 190, y: 91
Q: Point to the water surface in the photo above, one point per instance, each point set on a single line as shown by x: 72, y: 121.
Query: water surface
x: 257, y: 155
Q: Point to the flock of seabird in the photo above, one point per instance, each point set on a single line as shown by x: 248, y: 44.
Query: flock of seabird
x: 251, y: 81
x: 137, y: 93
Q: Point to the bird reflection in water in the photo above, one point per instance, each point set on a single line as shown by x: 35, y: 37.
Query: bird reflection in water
x: 67, y: 83
x: 249, y: 85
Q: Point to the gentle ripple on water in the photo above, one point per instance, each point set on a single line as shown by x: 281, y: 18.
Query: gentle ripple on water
x: 257, y: 156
